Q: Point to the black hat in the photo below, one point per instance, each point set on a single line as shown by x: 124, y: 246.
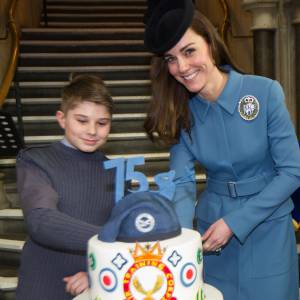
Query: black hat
x: 166, y: 23
x: 140, y: 217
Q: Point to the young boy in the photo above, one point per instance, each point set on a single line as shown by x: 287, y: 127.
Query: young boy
x: 65, y: 194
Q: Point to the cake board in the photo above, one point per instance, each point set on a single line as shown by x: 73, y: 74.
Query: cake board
x: 210, y: 293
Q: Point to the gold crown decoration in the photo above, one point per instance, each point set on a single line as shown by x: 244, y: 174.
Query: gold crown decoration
x: 147, y: 253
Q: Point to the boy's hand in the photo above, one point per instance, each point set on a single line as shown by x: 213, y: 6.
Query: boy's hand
x: 77, y: 283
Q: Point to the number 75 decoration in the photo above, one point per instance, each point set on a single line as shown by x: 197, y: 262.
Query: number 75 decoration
x: 125, y: 172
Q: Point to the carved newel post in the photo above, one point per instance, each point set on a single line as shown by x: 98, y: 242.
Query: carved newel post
x: 264, y: 27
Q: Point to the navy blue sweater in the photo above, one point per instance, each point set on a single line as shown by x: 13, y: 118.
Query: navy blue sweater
x: 66, y: 196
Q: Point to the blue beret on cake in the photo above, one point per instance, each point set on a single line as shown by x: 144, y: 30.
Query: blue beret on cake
x: 165, y: 23
x: 140, y: 217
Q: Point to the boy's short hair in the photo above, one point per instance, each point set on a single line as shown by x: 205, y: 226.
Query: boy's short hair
x: 85, y: 87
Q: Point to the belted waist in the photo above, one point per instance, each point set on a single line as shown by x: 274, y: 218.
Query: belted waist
x: 240, y: 188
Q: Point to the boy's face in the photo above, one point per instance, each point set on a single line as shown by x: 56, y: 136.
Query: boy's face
x: 86, y: 126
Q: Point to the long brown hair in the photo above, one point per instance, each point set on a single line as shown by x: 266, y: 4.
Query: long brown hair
x: 168, y: 110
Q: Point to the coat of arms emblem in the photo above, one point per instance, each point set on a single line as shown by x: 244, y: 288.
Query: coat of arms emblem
x: 160, y: 279
x: 248, y: 107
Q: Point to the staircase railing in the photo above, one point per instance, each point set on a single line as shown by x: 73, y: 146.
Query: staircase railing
x: 45, y: 13
x: 18, y: 135
x: 226, y: 21
x: 13, y: 31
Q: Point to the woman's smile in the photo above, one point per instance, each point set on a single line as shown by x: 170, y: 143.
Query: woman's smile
x: 190, y: 76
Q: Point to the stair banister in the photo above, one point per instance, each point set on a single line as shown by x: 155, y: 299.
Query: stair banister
x: 45, y: 13
x: 13, y: 31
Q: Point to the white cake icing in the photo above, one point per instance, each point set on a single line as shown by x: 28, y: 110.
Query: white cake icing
x: 168, y: 269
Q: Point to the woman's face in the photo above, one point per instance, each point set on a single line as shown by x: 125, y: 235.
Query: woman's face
x: 191, y: 63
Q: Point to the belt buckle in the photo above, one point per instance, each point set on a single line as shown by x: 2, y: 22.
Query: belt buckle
x: 231, y: 185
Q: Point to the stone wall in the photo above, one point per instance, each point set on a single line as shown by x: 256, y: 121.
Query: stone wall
x: 239, y: 36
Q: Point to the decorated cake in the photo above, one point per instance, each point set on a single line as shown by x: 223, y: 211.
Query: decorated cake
x: 168, y: 269
x: 142, y: 253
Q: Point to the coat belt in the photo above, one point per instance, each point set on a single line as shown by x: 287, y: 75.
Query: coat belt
x: 240, y: 188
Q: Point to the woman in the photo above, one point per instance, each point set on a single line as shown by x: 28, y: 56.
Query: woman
x: 238, y: 128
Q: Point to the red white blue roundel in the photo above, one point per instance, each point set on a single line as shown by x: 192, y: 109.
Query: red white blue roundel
x: 108, y: 280
x: 188, y: 274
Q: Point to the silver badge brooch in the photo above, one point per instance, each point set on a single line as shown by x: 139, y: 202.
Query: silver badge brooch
x: 248, y: 107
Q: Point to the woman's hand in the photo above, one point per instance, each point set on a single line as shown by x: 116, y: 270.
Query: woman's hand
x: 216, y: 236
x: 77, y: 283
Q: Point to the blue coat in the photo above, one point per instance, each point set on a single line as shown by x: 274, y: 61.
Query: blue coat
x: 252, y: 166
